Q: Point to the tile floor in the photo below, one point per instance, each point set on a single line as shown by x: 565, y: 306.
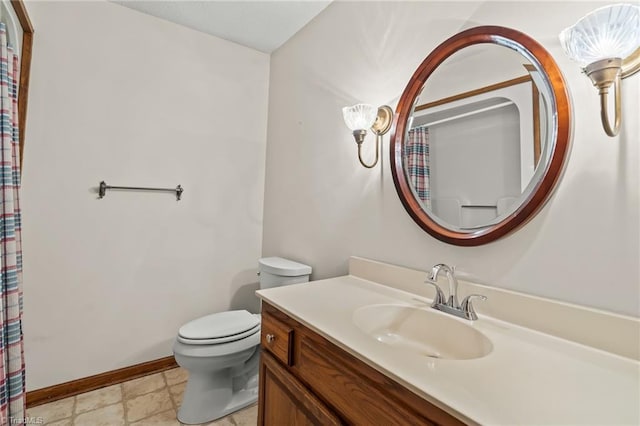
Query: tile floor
x: 151, y: 400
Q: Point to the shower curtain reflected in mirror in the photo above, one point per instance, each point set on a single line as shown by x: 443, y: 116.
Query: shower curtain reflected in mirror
x: 416, y: 160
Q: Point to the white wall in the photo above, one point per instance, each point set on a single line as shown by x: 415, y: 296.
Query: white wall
x: 321, y: 206
x: 134, y: 100
x: 475, y: 162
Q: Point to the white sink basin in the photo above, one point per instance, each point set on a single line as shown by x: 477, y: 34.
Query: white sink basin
x: 425, y: 332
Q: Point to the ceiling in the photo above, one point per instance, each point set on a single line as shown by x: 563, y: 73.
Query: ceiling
x: 262, y: 25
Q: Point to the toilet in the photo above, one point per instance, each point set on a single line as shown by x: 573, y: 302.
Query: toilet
x: 221, y: 351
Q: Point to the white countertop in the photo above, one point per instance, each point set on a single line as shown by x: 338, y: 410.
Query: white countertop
x: 528, y: 378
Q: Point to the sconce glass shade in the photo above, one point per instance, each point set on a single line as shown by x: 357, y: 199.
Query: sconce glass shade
x: 608, y: 32
x: 360, y: 116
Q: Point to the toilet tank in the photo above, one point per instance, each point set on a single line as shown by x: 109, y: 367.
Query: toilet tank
x: 276, y: 272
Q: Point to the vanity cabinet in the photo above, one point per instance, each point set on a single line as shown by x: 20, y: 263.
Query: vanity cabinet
x: 305, y: 379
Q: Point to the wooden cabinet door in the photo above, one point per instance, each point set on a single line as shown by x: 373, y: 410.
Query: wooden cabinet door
x: 286, y: 402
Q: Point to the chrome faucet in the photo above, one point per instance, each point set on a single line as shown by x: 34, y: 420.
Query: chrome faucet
x: 451, y: 306
x: 452, y: 302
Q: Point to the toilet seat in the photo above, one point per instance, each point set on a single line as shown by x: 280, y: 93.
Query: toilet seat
x: 222, y: 327
x: 212, y: 351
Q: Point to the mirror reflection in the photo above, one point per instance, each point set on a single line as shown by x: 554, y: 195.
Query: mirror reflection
x: 478, y: 136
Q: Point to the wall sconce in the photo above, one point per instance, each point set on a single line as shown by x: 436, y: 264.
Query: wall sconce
x: 361, y: 117
x: 606, y: 43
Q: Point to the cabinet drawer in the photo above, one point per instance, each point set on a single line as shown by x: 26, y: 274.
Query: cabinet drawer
x: 277, y: 338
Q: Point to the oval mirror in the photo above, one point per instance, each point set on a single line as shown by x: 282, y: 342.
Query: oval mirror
x: 481, y: 135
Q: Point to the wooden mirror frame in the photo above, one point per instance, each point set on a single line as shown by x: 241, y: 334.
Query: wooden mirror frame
x: 543, y: 189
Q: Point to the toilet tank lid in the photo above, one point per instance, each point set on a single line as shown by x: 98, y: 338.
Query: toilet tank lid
x: 283, y: 267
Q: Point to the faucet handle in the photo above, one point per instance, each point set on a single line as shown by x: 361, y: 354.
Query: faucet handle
x: 467, y: 307
x: 439, y: 299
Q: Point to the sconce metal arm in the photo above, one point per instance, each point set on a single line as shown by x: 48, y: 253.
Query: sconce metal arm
x: 604, y: 108
x: 603, y: 74
x: 380, y: 127
x: 372, y: 165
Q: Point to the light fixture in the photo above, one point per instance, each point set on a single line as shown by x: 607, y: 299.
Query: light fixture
x: 606, y: 43
x: 361, y: 117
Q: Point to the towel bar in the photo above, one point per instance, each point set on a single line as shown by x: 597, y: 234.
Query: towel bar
x: 103, y: 189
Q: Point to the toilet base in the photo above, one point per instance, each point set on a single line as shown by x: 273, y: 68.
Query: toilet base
x: 240, y: 400
x: 209, y: 397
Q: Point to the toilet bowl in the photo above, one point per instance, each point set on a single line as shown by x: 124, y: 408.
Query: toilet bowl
x: 221, y: 352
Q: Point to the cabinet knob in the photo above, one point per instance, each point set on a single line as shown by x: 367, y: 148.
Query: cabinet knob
x: 270, y: 338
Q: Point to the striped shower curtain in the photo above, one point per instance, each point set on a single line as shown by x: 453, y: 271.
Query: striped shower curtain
x: 416, y: 161
x: 12, y: 389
